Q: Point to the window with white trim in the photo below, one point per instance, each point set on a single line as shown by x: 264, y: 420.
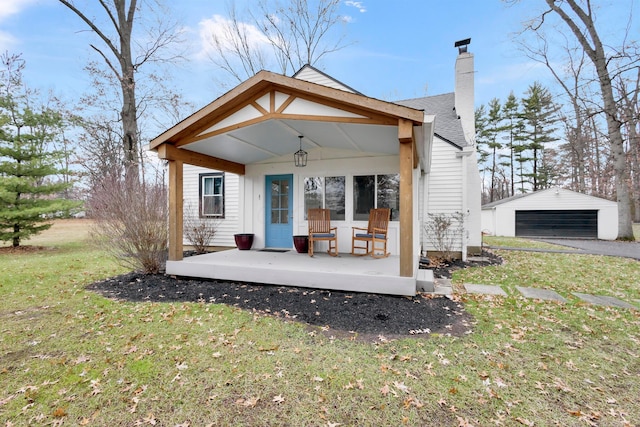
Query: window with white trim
x: 376, y: 191
x: 325, y: 192
x: 212, y: 195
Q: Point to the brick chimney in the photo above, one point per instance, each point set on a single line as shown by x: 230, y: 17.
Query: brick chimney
x: 464, y: 98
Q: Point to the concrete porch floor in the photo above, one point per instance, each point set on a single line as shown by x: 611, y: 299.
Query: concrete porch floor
x: 345, y: 272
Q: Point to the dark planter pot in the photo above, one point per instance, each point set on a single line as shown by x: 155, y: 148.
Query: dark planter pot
x: 244, y: 241
x: 301, y: 243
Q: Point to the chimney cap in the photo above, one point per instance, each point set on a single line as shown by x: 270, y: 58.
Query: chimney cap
x: 462, y: 45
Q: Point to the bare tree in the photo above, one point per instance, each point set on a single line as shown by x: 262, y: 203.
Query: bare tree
x: 628, y: 91
x: 238, y: 43
x: 282, y: 35
x: 124, y: 56
x: 578, y: 17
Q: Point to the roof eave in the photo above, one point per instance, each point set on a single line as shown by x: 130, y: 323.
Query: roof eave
x: 264, y: 79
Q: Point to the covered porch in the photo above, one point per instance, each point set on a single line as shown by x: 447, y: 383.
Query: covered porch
x: 248, y: 132
x: 289, y: 268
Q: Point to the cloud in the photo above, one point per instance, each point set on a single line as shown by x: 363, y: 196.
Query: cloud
x: 357, y: 4
x: 221, y: 27
x: 9, y: 8
x: 12, y: 7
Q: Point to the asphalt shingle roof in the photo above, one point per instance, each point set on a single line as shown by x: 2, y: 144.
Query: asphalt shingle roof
x: 447, y: 124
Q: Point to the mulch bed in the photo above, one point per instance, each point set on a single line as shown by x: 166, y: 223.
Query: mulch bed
x: 362, y: 316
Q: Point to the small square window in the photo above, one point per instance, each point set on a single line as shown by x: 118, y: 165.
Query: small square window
x: 212, y: 195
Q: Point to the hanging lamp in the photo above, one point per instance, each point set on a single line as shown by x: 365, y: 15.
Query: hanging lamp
x: 300, y: 156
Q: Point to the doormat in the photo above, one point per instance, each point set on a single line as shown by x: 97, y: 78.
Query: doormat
x: 274, y: 250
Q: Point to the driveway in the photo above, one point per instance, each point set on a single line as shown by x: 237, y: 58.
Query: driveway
x: 600, y: 247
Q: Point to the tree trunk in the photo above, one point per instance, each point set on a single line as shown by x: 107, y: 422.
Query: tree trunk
x: 128, y: 84
x: 592, y: 45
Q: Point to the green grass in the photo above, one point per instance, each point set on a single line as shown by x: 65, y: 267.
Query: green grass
x: 516, y: 242
x: 68, y: 355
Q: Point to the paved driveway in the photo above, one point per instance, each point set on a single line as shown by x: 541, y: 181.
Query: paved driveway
x: 600, y: 247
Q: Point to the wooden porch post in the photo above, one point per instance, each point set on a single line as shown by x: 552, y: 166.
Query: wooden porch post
x: 175, y: 210
x: 405, y: 136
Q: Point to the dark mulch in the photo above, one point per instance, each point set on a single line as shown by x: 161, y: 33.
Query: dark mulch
x: 347, y: 314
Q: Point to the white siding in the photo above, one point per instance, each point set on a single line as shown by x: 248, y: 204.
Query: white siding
x: 255, y: 189
x: 501, y: 219
x: 226, y: 227
x: 310, y: 75
x: 444, y: 185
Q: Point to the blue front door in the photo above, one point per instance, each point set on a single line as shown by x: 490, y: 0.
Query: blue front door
x: 279, y: 220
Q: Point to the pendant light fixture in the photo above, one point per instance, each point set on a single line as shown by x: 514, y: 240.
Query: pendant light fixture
x: 300, y: 156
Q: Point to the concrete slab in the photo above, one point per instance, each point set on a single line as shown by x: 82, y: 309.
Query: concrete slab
x: 484, y: 289
x: 543, y: 294
x: 442, y: 287
x: 603, y: 300
x: 614, y: 302
x: 591, y: 299
x: 343, y: 273
x: 424, y: 281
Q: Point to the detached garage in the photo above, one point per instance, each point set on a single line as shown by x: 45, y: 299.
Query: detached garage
x: 554, y: 212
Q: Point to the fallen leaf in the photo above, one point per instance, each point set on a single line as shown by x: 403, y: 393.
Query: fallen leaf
x: 400, y: 386
x: 278, y: 399
x: 385, y: 390
x: 59, y: 413
x: 251, y: 402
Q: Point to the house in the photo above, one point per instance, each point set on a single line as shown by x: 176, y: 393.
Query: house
x: 233, y: 160
x: 554, y: 212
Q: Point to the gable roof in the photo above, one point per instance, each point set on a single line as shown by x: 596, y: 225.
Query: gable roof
x: 447, y: 124
x: 311, y: 74
x: 259, y: 121
x: 264, y: 82
x: 540, y: 193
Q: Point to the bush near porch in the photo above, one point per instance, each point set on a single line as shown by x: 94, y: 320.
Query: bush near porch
x: 70, y: 356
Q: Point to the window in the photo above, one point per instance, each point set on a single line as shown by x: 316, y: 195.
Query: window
x: 325, y: 192
x: 376, y: 191
x: 212, y: 195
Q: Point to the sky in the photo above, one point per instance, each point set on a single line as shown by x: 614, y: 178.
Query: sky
x: 397, y: 49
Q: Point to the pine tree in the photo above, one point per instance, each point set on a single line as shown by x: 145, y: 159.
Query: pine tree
x: 27, y: 166
x: 539, y: 114
x: 488, y: 135
x: 512, y: 127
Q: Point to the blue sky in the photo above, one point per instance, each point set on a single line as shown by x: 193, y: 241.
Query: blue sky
x: 400, y: 49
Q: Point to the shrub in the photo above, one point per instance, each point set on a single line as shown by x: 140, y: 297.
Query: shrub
x: 444, y: 232
x: 199, y: 232
x: 131, y: 221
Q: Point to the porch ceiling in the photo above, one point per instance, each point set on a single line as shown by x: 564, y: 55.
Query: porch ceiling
x: 270, y: 140
x: 259, y: 122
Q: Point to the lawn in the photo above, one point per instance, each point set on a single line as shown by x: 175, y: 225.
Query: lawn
x: 71, y: 357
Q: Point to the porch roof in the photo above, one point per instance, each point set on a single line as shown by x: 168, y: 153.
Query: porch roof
x: 259, y: 122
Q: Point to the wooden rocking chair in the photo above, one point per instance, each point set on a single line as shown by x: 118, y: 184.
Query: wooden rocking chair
x: 375, y: 234
x: 320, y: 230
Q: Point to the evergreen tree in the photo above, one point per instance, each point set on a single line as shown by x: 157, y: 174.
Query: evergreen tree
x: 488, y: 136
x: 481, y: 148
x: 27, y: 166
x: 512, y: 127
x: 539, y: 115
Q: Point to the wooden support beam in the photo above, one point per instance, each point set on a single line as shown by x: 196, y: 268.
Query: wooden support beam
x: 170, y: 152
x: 405, y: 131
x: 175, y: 210
x: 405, y: 136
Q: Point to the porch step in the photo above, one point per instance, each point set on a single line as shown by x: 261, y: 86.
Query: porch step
x: 424, y: 281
